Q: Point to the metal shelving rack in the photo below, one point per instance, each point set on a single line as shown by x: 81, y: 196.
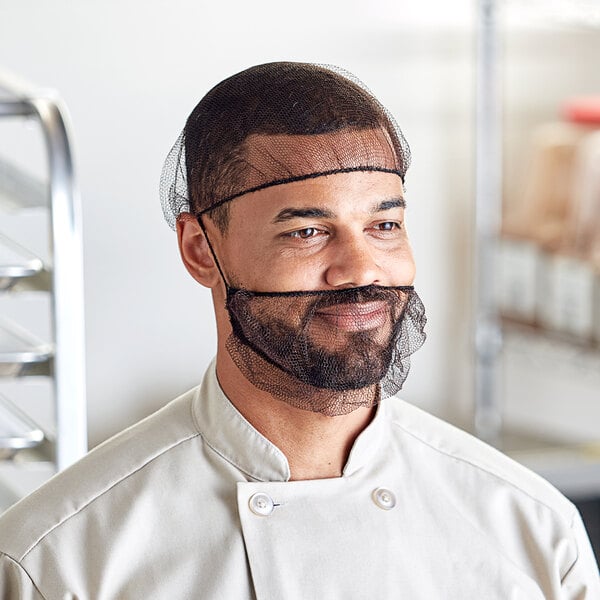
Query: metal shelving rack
x: 574, y: 469
x: 488, y: 210
x: 22, y: 442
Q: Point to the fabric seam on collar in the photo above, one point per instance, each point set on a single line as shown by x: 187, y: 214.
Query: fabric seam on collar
x: 101, y: 493
x: 18, y: 563
x: 498, y: 477
x: 231, y: 410
x: 481, y: 468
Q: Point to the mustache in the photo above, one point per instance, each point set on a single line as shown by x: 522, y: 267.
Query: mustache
x: 357, y: 295
x: 310, y: 302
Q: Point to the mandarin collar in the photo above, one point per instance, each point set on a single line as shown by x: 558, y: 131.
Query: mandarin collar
x: 229, y: 434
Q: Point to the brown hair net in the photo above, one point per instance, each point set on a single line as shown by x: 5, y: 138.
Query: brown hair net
x: 273, y: 124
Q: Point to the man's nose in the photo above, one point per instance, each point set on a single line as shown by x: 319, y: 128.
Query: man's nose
x: 353, y: 263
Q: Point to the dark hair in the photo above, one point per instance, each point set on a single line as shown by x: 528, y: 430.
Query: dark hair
x: 275, y: 98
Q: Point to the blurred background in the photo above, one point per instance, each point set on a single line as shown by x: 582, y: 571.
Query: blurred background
x: 129, y: 74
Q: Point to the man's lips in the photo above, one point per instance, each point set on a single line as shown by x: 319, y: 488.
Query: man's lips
x: 355, y: 316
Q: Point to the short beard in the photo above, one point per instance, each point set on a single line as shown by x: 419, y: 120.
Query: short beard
x: 283, y: 345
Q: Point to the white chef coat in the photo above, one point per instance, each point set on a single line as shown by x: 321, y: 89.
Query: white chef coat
x: 193, y: 502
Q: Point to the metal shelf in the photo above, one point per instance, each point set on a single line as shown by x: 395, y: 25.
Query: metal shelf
x: 19, y: 266
x: 572, y: 468
x: 17, y: 430
x: 53, y: 199
x: 20, y: 191
x: 21, y: 353
x: 528, y: 339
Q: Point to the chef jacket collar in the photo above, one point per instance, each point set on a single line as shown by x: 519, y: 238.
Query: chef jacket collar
x: 228, y: 433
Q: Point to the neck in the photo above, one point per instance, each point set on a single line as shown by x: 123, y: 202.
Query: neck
x: 316, y: 446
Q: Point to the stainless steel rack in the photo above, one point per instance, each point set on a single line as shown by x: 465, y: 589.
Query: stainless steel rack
x: 573, y: 468
x: 23, y: 443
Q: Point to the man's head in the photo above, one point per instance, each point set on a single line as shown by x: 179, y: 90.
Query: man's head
x: 276, y: 123
x: 290, y: 178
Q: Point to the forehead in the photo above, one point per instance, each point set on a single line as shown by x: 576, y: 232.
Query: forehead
x: 342, y: 195
x: 279, y: 157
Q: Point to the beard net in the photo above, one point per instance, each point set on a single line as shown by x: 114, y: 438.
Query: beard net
x: 273, y: 124
x: 326, y: 350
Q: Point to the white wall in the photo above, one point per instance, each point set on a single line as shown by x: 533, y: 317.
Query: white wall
x: 130, y: 73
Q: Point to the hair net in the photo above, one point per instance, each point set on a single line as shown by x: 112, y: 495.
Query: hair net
x: 273, y: 124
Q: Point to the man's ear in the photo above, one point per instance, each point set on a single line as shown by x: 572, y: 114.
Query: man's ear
x: 195, y: 252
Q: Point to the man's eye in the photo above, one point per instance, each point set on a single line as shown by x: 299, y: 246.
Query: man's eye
x: 388, y: 226
x: 305, y: 233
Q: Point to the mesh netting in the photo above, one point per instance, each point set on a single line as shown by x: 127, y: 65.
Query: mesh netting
x: 329, y: 348
x: 273, y: 124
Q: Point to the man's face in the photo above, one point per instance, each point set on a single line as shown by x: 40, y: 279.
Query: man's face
x: 330, y: 232
x: 334, y: 233
x: 314, y: 269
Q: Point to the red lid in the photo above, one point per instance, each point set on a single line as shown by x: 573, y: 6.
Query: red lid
x: 583, y: 110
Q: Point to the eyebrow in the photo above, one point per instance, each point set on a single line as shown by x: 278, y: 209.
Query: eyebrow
x: 311, y: 212
x: 398, y: 202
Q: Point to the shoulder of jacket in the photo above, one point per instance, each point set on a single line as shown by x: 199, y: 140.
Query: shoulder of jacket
x: 450, y: 443
x: 98, y: 472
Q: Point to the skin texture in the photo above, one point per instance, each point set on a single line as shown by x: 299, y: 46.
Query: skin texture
x: 331, y: 232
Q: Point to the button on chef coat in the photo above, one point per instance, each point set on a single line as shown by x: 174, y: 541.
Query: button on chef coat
x: 193, y: 502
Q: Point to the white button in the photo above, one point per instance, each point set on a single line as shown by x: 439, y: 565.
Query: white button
x: 261, y: 504
x: 384, y: 498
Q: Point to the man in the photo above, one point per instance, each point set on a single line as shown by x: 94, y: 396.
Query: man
x: 292, y: 472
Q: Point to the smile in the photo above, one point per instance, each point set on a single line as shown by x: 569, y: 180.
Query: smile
x: 355, y: 316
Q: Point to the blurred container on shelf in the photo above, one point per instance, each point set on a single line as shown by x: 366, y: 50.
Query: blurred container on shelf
x: 519, y: 264
x: 546, y: 203
x: 584, y: 110
x: 549, y: 251
x: 565, y: 302
x: 584, y: 233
